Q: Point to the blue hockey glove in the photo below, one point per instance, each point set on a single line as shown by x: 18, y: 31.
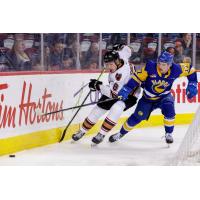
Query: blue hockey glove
x: 191, y: 90
x: 124, y: 92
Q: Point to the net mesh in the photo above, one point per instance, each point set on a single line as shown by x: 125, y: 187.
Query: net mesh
x: 189, y: 150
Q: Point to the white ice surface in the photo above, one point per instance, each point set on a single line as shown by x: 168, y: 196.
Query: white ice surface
x: 139, y: 147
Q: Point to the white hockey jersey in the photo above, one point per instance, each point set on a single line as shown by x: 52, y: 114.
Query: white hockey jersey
x: 125, y: 53
x: 120, y: 77
x: 116, y: 81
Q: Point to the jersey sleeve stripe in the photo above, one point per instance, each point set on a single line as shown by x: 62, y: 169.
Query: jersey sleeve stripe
x: 136, y: 78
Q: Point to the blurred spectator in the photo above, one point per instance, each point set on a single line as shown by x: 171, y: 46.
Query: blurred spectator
x: 18, y: 57
x: 171, y: 50
x: 66, y: 38
x: 92, y: 64
x: 71, y: 53
x: 61, y: 58
x: 76, y: 52
x: 5, y: 64
x: 56, y: 56
x: 198, y: 51
x: 71, y: 38
x: 178, y: 57
x: 187, y: 60
x: 187, y: 44
x: 150, y: 49
x: 177, y: 54
x: 19, y: 36
x: 62, y: 51
x: 92, y: 56
x: 47, y: 57
x: 33, y: 50
x: 166, y: 44
x: 3, y: 36
x: 171, y: 36
x: 136, y: 47
x: 68, y: 63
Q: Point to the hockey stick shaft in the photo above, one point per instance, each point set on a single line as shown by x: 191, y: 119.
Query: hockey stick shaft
x: 65, y: 130
x: 76, y: 93
x: 84, y: 105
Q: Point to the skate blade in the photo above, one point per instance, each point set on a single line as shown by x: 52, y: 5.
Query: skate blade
x: 73, y: 141
x: 113, y: 143
x: 168, y: 145
x: 93, y: 145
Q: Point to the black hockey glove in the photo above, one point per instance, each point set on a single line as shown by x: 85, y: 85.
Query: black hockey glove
x: 94, y: 84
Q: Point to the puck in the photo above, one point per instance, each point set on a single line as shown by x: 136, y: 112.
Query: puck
x: 12, y: 156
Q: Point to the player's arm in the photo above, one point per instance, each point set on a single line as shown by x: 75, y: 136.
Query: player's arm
x: 136, y: 80
x: 190, y: 72
x: 113, y: 88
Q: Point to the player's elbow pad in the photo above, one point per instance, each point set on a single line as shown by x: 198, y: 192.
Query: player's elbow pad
x: 132, y: 83
x: 124, y: 92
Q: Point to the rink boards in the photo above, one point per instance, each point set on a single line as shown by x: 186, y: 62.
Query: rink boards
x: 24, y: 97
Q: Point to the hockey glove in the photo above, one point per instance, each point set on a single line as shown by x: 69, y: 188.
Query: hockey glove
x: 124, y: 92
x: 94, y: 84
x: 191, y: 90
x: 118, y: 47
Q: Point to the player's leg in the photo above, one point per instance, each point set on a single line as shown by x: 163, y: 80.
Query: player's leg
x: 97, y: 112
x: 168, y: 110
x: 89, y: 122
x: 112, y: 117
x: 142, y: 112
x: 110, y: 121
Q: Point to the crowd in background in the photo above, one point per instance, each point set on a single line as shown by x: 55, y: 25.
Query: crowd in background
x: 67, y: 51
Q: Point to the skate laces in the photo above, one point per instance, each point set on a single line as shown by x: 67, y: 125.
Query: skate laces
x: 116, y: 136
x: 168, y: 135
x: 80, y: 133
x: 99, y: 136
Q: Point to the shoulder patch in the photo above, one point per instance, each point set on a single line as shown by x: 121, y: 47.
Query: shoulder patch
x: 118, y: 76
x: 141, y: 73
x: 185, y: 69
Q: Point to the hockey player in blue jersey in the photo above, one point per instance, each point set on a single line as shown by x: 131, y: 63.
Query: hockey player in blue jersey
x: 156, y: 80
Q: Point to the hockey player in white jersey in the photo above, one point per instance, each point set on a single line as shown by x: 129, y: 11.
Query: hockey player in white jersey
x: 119, y: 75
x: 124, y: 51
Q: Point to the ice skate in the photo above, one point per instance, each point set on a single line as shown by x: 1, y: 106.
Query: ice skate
x: 115, y: 137
x: 77, y: 136
x: 97, y: 139
x: 169, y: 138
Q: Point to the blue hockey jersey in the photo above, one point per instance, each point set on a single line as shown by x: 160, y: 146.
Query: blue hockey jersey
x: 157, y: 85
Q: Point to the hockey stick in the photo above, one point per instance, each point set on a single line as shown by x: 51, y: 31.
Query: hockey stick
x: 80, y: 89
x: 74, y: 107
x: 65, y: 130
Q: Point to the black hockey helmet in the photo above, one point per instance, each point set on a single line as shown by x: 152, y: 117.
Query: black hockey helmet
x: 111, y: 56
